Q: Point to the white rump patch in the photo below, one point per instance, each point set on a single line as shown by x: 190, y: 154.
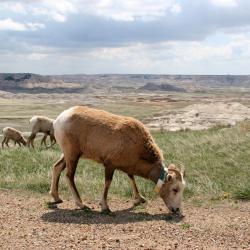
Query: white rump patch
x: 5, y: 130
x: 33, y: 120
x: 60, y: 123
x: 63, y: 117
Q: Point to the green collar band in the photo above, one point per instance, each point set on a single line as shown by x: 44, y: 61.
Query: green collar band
x: 161, y: 180
x: 163, y: 174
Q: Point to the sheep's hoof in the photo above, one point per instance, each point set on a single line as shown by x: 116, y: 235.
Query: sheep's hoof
x: 85, y: 208
x: 139, y: 201
x: 106, y: 211
x: 53, y: 204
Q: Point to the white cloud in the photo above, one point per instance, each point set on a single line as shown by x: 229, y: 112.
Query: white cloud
x: 57, y: 10
x: 34, y: 26
x: 176, y: 8
x: 37, y: 56
x: 52, y: 9
x: 225, y: 3
x: 15, y: 7
x: 129, y: 10
x: 9, y: 24
x: 163, y: 58
x: 155, y: 57
x: 118, y: 36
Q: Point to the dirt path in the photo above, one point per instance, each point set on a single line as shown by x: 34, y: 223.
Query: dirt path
x: 26, y: 223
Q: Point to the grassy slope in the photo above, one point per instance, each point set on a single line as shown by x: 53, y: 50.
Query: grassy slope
x: 216, y: 160
x: 17, y: 113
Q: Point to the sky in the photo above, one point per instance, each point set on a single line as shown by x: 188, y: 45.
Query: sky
x: 126, y: 37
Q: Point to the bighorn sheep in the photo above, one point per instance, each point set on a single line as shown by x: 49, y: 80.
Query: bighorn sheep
x: 12, y: 134
x: 44, y: 125
x: 118, y: 142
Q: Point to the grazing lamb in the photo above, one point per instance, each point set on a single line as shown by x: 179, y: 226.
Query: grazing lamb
x: 44, y: 125
x: 118, y: 142
x: 12, y: 134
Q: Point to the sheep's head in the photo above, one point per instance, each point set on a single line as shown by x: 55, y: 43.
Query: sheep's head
x: 172, y: 189
x: 23, y: 141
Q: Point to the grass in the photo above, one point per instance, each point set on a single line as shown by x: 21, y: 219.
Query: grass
x: 17, y: 113
x: 185, y: 226
x: 217, y: 160
x: 242, y: 193
x: 217, y: 165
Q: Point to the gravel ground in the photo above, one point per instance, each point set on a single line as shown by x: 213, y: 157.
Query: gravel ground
x: 26, y: 223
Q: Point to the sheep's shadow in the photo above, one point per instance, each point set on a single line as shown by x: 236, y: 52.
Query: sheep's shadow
x: 95, y: 217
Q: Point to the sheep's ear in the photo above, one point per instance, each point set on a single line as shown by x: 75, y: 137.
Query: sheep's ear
x: 184, y: 173
x: 172, y: 166
x: 169, y: 178
x: 178, y: 167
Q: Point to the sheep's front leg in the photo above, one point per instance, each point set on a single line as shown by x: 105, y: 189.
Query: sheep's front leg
x: 109, y: 172
x: 52, y: 140
x: 138, y: 199
x: 31, y: 140
x: 58, y: 167
x: 7, y: 143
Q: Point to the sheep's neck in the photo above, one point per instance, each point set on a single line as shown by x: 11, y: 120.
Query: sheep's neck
x: 154, y: 174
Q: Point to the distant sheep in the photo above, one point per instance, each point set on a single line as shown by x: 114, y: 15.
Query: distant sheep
x: 12, y: 134
x: 44, y: 125
x: 118, y: 142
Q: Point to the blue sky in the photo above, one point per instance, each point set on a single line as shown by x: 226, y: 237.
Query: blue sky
x: 132, y: 36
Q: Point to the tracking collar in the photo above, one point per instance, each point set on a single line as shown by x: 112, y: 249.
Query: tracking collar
x: 161, y: 180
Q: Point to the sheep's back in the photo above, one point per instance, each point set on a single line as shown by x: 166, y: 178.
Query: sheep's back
x: 102, y: 136
x: 41, y: 124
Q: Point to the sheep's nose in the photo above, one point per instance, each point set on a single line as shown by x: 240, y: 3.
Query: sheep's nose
x: 175, y: 210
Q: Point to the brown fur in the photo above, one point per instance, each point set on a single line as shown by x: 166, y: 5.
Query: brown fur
x: 118, y: 142
x: 12, y: 134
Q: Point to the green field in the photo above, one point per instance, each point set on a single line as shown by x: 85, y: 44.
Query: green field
x: 17, y: 113
x: 217, y: 165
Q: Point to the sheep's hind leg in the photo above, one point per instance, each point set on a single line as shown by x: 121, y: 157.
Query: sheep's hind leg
x: 71, y: 165
x: 109, y: 172
x: 7, y: 143
x: 138, y: 199
x: 58, y: 167
x: 44, y: 140
x: 3, y: 142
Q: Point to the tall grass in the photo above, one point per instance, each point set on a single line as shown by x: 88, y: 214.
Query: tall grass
x: 217, y: 164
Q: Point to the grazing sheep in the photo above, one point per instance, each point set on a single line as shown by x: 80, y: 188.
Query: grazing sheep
x: 44, y: 125
x: 12, y: 134
x: 118, y: 142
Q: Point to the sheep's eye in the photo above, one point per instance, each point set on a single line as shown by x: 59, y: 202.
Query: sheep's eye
x: 175, y: 190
